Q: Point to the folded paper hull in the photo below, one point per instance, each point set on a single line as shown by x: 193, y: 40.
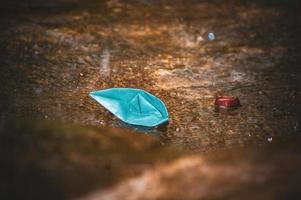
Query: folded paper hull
x: 133, y: 106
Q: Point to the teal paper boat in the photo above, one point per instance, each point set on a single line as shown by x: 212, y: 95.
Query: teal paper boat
x: 133, y: 106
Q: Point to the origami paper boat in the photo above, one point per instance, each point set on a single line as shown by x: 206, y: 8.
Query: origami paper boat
x: 133, y: 106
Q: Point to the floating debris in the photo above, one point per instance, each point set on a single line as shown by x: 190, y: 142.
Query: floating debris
x: 211, y: 36
x: 133, y: 106
x: 227, y: 102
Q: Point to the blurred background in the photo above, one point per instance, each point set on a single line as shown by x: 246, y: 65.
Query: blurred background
x: 57, y: 143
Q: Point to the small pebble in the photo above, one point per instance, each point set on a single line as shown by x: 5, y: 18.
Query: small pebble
x: 81, y: 74
x: 35, y: 47
x: 270, y: 139
x: 199, y: 39
x: 296, y: 126
x: 38, y: 91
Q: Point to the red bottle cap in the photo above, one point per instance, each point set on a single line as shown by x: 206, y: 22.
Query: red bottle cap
x: 227, y: 101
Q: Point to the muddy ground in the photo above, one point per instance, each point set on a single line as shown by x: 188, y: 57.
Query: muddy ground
x: 53, y: 53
